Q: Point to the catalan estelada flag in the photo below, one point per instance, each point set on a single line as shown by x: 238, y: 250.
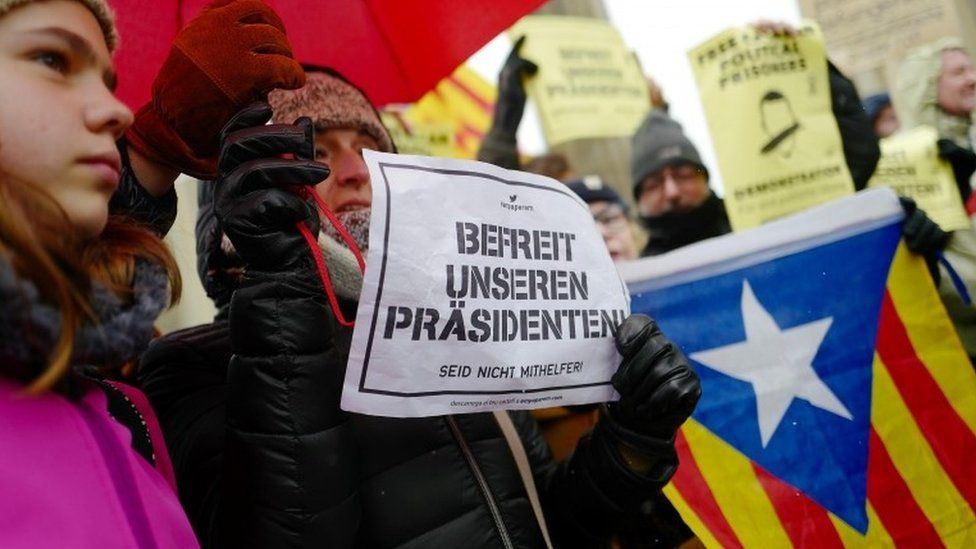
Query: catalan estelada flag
x: 461, y: 104
x: 838, y: 406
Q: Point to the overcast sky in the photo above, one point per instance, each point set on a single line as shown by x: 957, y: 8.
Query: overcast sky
x: 661, y: 32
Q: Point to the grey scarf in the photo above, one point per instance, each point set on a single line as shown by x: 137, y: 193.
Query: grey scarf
x: 29, y: 326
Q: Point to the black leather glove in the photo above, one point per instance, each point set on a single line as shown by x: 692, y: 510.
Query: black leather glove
x: 511, y: 93
x: 963, y: 162
x: 255, y: 197
x: 922, y: 235
x: 658, y: 389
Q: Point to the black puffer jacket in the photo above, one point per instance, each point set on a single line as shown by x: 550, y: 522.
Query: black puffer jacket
x: 292, y: 470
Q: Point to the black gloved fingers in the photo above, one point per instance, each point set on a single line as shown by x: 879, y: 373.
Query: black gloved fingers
x: 675, y: 398
x: 259, y: 211
x: 265, y: 174
x: 949, y: 150
x: 922, y: 235
x: 259, y: 142
x: 308, y: 127
x: 908, y: 205
x: 262, y: 228
x: 640, y: 376
x: 639, y: 342
x: 517, y: 62
x: 255, y: 114
x: 633, y: 332
x: 510, y: 79
x: 932, y: 239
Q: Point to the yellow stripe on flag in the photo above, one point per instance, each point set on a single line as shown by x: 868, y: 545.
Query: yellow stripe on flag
x: 733, y: 482
x: 931, y: 332
x: 690, y: 517
x: 876, y: 536
x: 476, y: 84
x: 913, y: 458
x: 462, y: 106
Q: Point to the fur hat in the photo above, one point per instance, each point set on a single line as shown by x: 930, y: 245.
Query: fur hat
x: 331, y: 102
x: 99, y: 8
x: 660, y: 142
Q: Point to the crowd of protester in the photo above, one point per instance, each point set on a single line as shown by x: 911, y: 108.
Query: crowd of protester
x: 230, y: 434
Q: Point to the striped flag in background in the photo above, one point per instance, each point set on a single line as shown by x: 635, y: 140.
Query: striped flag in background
x: 463, y: 100
x: 838, y: 405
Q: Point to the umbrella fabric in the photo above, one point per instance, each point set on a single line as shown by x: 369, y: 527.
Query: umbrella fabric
x: 396, y: 50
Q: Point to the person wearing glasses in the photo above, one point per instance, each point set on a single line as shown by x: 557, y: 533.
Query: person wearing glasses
x: 674, y: 201
x: 611, y: 215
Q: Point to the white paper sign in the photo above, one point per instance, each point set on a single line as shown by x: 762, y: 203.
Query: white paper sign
x: 485, y: 289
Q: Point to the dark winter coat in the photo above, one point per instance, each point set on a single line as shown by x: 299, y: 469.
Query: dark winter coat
x: 675, y: 230
x: 265, y: 457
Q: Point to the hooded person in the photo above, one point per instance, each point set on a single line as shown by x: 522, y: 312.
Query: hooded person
x: 670, y: 184
x: 935, y: 86
x: 264, y: 455
x: 881, y: 113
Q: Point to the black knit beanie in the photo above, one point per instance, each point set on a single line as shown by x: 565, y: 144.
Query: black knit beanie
x: 659, y: 142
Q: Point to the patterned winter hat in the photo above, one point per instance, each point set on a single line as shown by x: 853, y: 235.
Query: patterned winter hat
x: 99, y: 8
x: 331, y: 102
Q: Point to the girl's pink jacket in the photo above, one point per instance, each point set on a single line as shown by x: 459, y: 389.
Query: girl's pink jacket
x: 70, y: 478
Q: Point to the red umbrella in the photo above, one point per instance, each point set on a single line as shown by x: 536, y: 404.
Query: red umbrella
x: 396, y: 50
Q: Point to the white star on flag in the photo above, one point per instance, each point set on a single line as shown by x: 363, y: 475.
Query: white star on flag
x: 778, y: 363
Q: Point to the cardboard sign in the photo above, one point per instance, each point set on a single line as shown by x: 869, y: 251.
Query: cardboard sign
x: 767, y: 103
x: 589, y: 84
x: 485, y: 289
x: 911, y: 166
x: 866, y: 34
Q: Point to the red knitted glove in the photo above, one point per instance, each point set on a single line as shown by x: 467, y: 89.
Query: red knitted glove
x: 231, y: 55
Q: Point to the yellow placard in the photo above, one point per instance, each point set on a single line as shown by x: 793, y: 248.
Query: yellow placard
x: 911, y: 166
x: 427, y: 138
x: 589, y: 84
x: 767, y: 103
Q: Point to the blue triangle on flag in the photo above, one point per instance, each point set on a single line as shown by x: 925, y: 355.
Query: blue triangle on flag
x: 818, y: 451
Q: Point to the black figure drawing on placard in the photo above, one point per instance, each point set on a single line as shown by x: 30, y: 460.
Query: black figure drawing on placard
x: 779, y: 122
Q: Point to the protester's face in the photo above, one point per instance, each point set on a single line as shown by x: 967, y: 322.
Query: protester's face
x: 957, y: 84
x: 347, y: 188
x: 886, y: 123
x: 612, y: 221
x: 679, y: 189
x: 58, y: 118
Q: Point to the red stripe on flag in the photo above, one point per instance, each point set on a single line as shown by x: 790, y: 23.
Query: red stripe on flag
x: 893, y: 501
x: 953, y: 443
x: 688, y: 480
x: 806, y: 523
x: 472, y: 95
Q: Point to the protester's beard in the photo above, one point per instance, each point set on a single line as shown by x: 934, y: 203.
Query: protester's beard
x: 356, y: 223
x: 676, y: 229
